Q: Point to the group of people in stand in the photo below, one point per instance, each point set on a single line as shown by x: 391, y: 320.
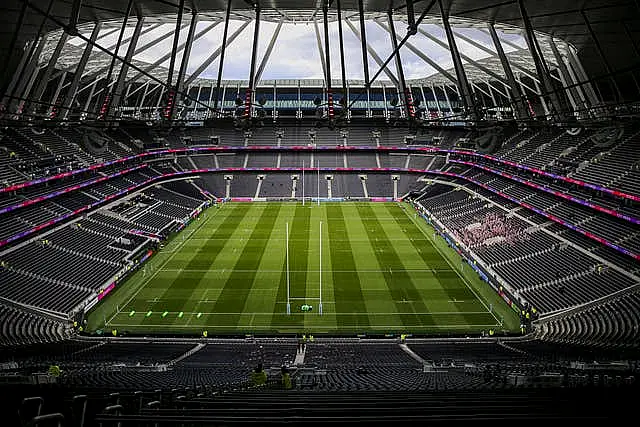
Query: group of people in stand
x: 490, y: 226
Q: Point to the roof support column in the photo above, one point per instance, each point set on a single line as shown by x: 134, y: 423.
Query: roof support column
x: 71, y: 92
x: 221, y: 65
x: 8, y: 96
x: 435, y: 99
x: 543, y: 101
x: 327, y: 54
x: 46, y: 75
x: 446, y: 97
x: 342, y: 64
x: 541, y: 66
x: 572, y: 93
x: 493, y: 98
x: 363, y: 43
x: 142, y: 99
x: 211, y: 110
x: 375, y: 57
x: 248, y: 99
x: 108, y: 87
x: 419, y: 53
x: 171, y: 94
x: 461, y: 76
x: 186, y: 55
x: 383, y: 64
x: 54, y: 104
x: 582, y: 79
x: 29, y: 74
x: 195, y: 105
x: 124, y: 70
x: 579, y: 89
x: 517, y: 104
x: 157, y: 109
x: 369, y: 112
x: 406, y: 99
x: 424, y: 98
x: 87, y: 104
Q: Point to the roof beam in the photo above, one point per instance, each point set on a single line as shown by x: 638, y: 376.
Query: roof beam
x: 422, y: 56
x: 374, y: 55
x: 341, y: 39
x: 248, y: 100
x: 221, y: 64
x: 166, y: 56
x: 320, y: 50
x: 363, y: 42
x: 518, y: 106
x: 492, y: 53
x: 267, y: 54
x: 215, y: 54
x: 463, y: 83
x: 541, y: 66
x: 42, y: 84
x: 124, y: 70
x: 91, y: 76
x: 463, y: 56
x: 184, y: 63
x: 406, y: 100
x: 157, y: 40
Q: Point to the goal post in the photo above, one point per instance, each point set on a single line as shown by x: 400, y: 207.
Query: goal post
x: 320, y: 271
x: 288, y: 281
x: 288, y: 272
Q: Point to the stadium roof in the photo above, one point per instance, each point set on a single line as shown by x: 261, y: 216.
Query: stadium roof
x: 564, y: 19
x: 296, y: 54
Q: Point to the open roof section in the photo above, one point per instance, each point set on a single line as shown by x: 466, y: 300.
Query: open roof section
x: 561, y: 18
x: 295, y: 54
x: 485, y: 62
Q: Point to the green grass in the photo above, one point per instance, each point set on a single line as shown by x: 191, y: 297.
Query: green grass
x: 383, y: 271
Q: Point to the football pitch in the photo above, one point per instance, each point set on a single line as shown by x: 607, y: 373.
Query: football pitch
x: 376, y: 268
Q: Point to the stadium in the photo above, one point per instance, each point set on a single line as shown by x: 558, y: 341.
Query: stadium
x: 330, y: 211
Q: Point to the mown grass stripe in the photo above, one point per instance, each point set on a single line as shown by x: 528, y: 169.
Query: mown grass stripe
x: 185, y: 283
x: 399, y: 282
x: 347, y: 289
x: 452, y: 284
x: 238, y: 285
x: 298, y: 251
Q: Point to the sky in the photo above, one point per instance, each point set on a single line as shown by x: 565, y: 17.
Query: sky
x: 295, y: 54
